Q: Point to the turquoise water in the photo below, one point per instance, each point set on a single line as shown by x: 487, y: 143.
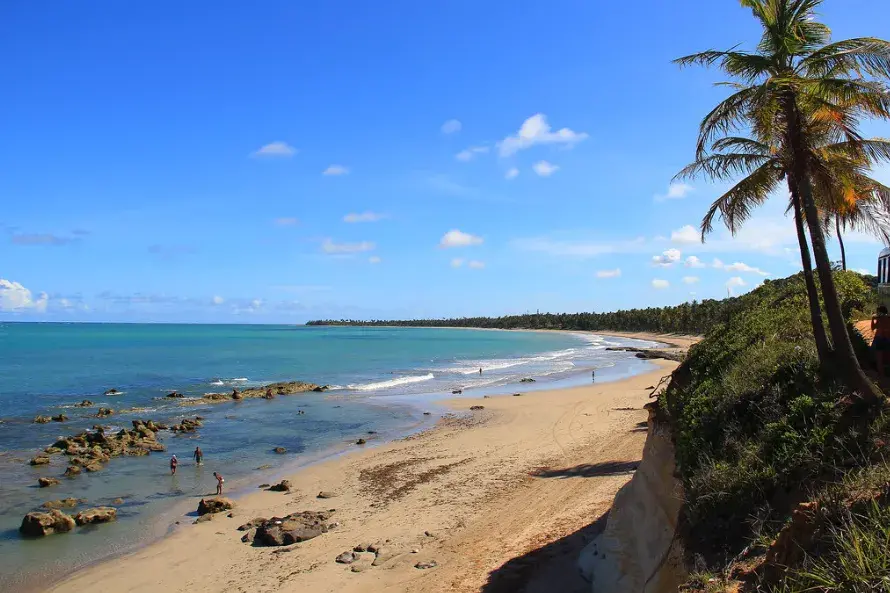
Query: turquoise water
x: 382, y: 380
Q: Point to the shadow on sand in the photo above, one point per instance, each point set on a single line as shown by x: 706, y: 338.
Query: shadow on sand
x: 549, y: 569
x: 588, y: 470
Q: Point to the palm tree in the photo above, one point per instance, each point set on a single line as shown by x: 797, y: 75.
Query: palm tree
x: 865, y: 200
x: 866, y: 210
x: 793, y: 74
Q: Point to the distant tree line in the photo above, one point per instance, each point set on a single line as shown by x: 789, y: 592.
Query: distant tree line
x: 688, y: 318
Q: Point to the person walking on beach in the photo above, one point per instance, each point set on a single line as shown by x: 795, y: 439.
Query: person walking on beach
x: 173, y: 463
x: 219, y: 483
x: 880, y: 324
x: 199, y: 455
x: 480, y: 370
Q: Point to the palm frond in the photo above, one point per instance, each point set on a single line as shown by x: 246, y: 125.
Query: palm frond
x: 735, y: 206
x: 724, y: 166
x: 862, y: 55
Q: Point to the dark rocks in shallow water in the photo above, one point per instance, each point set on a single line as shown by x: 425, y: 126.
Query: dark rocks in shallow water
x: 650, y: 354
x: 297, y: 527
x: 457, y: 391
x: 263, y: 486
x: 65, y: 503
x: 280, y: 450
x: 474, y: 408
x: 47, y: 482
x: 216, y: 504
x: 282, y: 486
x: 517, y: 395
x: 527, y: 380
x: 320, y: 388
x: 427, y: 413
x: 72, y: 471
x: 361, y: 442
x: 60, y: 418
x: 39, y: 524
x: 95, y: 516
x: 174, y: 394
x: 187, y: 425
x: 118, y: 501
x: 113, y: 391
x: 39, y: 460
x: 42, y: 419
x: 104, y: 412
x: 84, y: 404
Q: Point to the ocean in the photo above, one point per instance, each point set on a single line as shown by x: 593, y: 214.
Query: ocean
x: 381, y: 380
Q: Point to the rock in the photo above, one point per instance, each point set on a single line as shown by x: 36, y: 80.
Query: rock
x: 104, y: 412
x: 113, y: 391
x: 263, y: 486
x: 93, y: 467
x: 372, y: 432
x: 527, y: 380
x: 264, y: 466
x: 358, y: 568
x: 280, y: 450
x: 39, y: 460
x: 174, y: 394
x: 42, y: 419
x: 427, y: 414
x: 248, y: 537
x: 361, y: 548
x: 374, y: 547
x: 204, y: 519
x: 52, y: 450
x: 65, y: 503
x: 297, y: 527
x: 517, y: 394
x: 429, y: 534
x: 252, y: 524
x: 63, y: 444
x: 282, y: 486
x: 95, y: 516
x: 216, y: 504
x: 427, y: 564
x: 383, y: 555
x: 474, y: 408
x: 651, y: 354
x: 47, y: 482
x: 72, y: 471
x: 326, y: 494
x: 651, y: 387
x: 415, y: 550
x: 60, y: 418
x: 457, y: 391
x: 38, y: 524
x: 361, y: 442
x: 84, y: 404
x: 346, y: 558
x: 118, y: 501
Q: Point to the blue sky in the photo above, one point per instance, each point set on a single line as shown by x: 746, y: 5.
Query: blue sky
x: 281, y: 161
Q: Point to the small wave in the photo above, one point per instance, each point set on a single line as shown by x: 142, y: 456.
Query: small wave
x: 240, y: 379
x: 392, y: 383
x: 218, y: 382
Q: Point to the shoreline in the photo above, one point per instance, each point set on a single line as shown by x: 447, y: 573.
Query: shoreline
x: 214, y: 549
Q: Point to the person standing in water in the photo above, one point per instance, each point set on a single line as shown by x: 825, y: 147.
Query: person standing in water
x: 219, y: 483
x: 199, y: 455
x: 480, y: 370
x: 173, y: 463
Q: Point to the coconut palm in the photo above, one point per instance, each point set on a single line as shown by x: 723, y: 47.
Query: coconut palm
x: 865, y: 201
x: 796, y: 73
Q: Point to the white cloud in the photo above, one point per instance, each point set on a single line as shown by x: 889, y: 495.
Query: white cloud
x: 687, y: 235
x: 675, y: 191
x: 275, y: 149
x: 218, y: 300
x: 733, y: 283
x: 511, y: 173
x: 451, y: 126
x: 336, y: 170
x: 286, y: 221
x: 667, y: 259
x: 545, y: 169
x: 609, y: 273
x: 694, y: 262
x: 328, y: 246
x: 717, y: 264
x: 475, y: 264
x: 363, y: 217
x: 690, y: 279
x: 536, y: 130
x: 469, y: 153
x: 457, y: 262
x: 740, y: 267
x: 15, y: 297
x: 660, y: 284
x: 374, y: 259
x: 456, y: 238
x: 865, y: 272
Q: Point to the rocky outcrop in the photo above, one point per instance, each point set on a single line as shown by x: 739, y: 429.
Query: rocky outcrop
x: 42, y: 419
x: 65, y: 503
x: 60, y: 418
x: 216, y: 504
x: 96, y: 515
x: 282, y: 486
x: 187, y: 425
x: 84, y: 404
x: 39, y: 460
x: 39, y: 524
x: 297, y: 527
x: 272, y: 389
x: 46, y: 482
x: 638, y: 552
x: 280, y: 450
x: 113, y: 391
x: 104, y: 412
x: 651, y: 354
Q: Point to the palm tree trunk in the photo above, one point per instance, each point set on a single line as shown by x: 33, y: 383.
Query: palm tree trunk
x: 840, y: 239
x: 822, y: 347
x: 844, y: 357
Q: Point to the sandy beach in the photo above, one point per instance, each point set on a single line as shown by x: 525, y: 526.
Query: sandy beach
x: 496, y: 497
